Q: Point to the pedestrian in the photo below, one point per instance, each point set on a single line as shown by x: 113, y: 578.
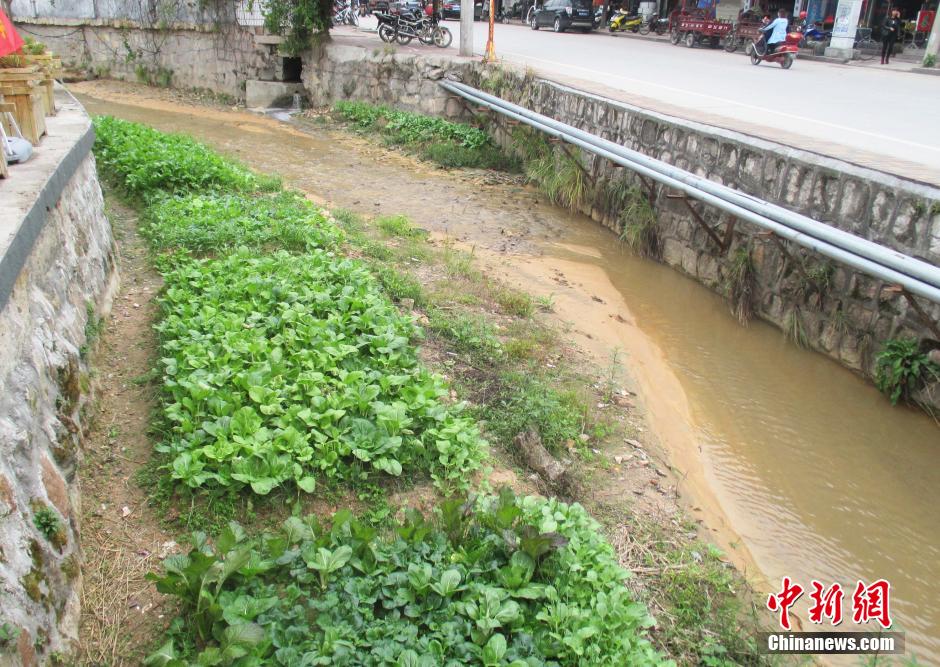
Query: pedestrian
x: 889, y: 35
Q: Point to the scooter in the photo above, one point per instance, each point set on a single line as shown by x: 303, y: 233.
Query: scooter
x: 622, y: 21
x: 784, y: 54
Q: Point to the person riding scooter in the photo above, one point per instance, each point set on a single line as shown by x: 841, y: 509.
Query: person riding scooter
x: 775, y: 32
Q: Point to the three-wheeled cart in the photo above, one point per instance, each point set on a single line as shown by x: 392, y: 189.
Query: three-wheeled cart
x: 745, y: 30
x: 693, y: 22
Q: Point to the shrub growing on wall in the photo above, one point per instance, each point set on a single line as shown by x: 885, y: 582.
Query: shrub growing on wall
x: 298, y: 21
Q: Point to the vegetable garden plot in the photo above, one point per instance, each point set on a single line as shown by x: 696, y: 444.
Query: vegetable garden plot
x: 285, y: 367
x: 505, y: 581
x: 213, y: 223
x: 283, y: 362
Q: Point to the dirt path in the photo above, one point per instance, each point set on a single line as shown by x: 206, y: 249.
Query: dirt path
x: 122, y: 538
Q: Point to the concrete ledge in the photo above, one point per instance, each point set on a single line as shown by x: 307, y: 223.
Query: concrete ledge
x: 113, y: 23
x: 267, y: 94
x: 933, y: 71
x: 34, y: 187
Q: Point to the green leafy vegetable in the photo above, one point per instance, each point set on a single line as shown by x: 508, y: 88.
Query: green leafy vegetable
x: 347, y: 596
x: 286, y: 367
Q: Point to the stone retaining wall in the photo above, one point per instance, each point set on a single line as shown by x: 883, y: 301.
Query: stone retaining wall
x: 217, y: 57
x: 57, y: 276
x: 842, y: 313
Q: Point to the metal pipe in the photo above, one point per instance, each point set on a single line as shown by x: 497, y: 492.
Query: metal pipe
x: 913, y: 285
x: 873, y: 251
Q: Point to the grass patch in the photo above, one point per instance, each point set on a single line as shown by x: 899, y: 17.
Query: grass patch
x: 740, y: 284
x: 399, y: 225
x: 516, y: 303
x: 696, y: 596
x: 638, y: 223
x: 526, y: 401
x: 467, y: 333
x: 94, y: 325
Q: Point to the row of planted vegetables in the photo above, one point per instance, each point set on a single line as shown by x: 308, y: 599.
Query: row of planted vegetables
x: 283, y: 364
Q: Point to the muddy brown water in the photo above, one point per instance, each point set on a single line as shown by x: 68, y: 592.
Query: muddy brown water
x: 797, y: 466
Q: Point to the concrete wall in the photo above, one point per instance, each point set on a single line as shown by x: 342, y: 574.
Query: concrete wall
x: 146, y: 12
x: 168, y: 42
x: 56, y: 271
x: 848, y: 318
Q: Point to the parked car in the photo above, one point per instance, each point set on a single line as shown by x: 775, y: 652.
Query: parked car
x: 451, y: 10
x: 394, y: 6
x: 561, y: 15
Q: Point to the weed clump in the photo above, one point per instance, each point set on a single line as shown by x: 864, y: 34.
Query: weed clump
x: 739, y: 280
x: 47, y: 522
x: 901, y: 368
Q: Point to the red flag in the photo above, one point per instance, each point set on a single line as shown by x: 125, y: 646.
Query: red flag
x: 10, y: 41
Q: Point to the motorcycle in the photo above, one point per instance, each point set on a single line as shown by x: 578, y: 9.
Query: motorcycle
x: 407, y: 26
x: 810, y: 33
x: 784, y: 54
x: 623, y: 21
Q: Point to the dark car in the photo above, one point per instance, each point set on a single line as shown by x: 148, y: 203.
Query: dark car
x: 394, y: 6
x: 563, y: 14
x: 451, y: 10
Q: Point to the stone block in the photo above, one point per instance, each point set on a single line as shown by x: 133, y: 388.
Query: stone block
x: 904, y: 224
x: 825, y: 192
x: 268, y: 94
x: 853, y: 206
x: 56, y: 488
x: 935, y: 238
x: 750, y: 164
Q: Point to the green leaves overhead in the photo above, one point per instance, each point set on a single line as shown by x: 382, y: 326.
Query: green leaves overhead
x: 347, y: 596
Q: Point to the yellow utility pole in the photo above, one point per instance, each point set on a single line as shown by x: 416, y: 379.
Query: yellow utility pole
x: 490, y: 56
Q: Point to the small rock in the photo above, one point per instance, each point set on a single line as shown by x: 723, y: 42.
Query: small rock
x: 407, y: 304
x: 136, y: 305
x: 660, y: 473
x: 618, y: 460
x: 125, y: 511
x: 632, y: 442
x: 584, y: 437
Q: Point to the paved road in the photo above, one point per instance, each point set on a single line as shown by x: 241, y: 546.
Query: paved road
x: 884, y: 118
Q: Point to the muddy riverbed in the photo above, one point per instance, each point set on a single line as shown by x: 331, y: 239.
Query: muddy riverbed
x: 795, y: 465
